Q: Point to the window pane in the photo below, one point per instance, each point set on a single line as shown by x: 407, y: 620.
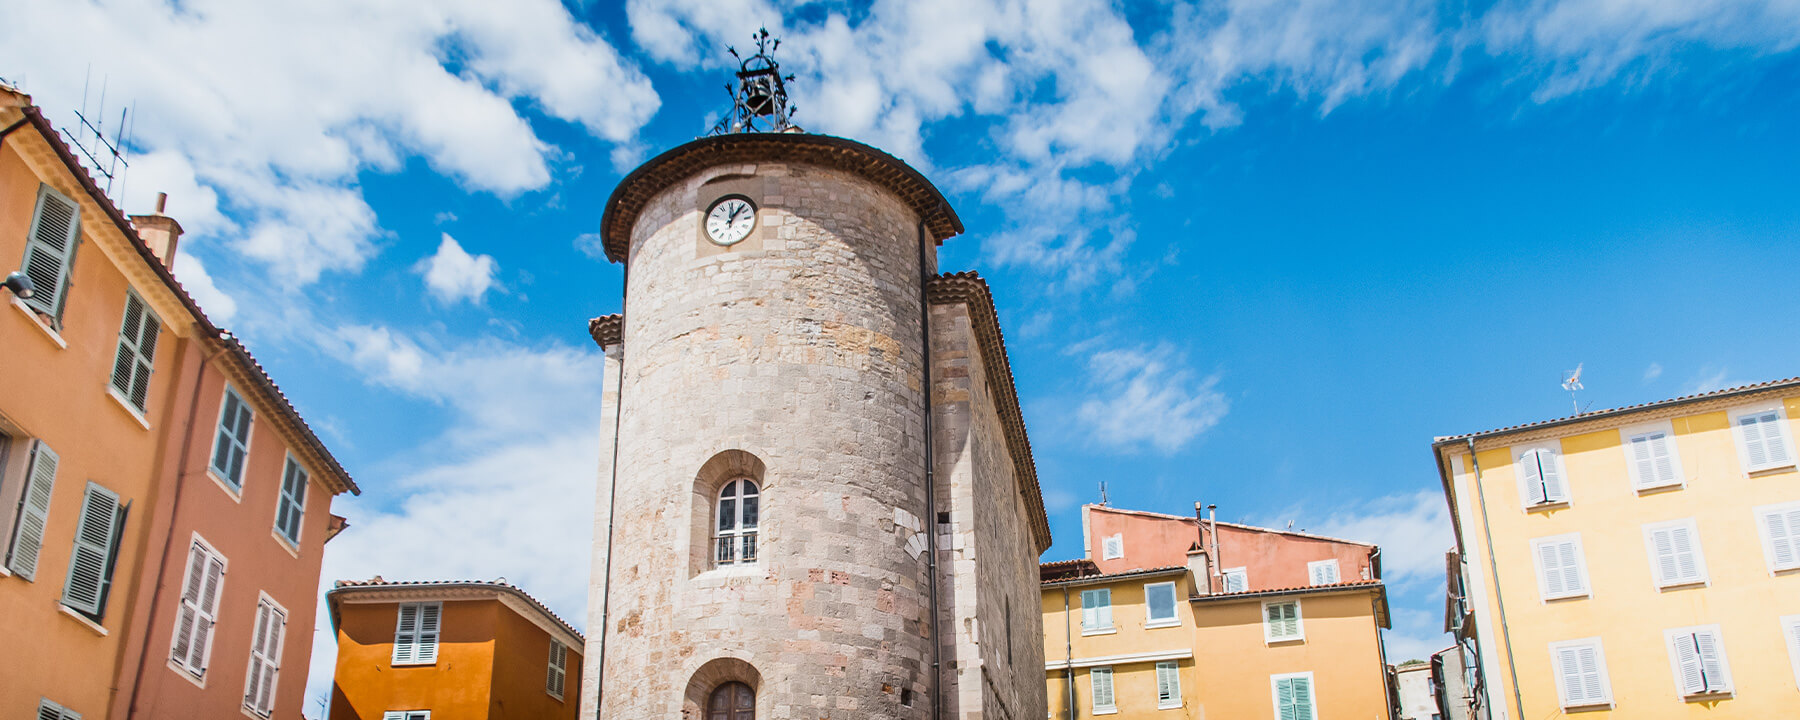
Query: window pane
x: 727, y: 514
x: 749, y: 512
x: 1161, y: 601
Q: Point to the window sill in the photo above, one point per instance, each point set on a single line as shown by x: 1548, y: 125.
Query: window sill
x: 89, y: 624
x: 1769, y: 470
x: 4, y: 572
x: 1284, y: 641
x: 1099, y: 631
x: 236, y: 493
x: 415, y: 663
x: 286, y: 544
x: 137, y: 416
x: 49, y: 332
x: 1547, y: 507
x: 1106, y: 711
x: 1572, y: 596
x: 1702, y: 582
x: 199, y: 682
x: 252, y: 714
x: 1663, y: 488
x: 1710, y: 696
x: 1175, y: 706
x: 1590, y: 707
x: 1159, y: 624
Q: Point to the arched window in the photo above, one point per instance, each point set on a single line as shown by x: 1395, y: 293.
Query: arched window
x: 732, y: 701
x: 735, y: 539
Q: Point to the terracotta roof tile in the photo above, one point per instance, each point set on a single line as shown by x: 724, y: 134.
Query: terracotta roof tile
x: 378, y: 582
x: 1596, y: 414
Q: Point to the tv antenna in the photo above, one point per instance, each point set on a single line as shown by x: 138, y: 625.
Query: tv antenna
x: 105, y: 157
x: 1103, y: 500
x: 1572, y: 382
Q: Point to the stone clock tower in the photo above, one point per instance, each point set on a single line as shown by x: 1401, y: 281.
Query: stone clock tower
x: 811, y: 443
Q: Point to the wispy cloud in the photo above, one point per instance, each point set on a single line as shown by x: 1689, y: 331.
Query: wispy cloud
x: 1413, y: 531
x: 1654, y: 371
x: 1148, y: 396
x: 1710, y: 378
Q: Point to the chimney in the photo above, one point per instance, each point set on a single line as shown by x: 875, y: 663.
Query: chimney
x: 160, y: 232
x: 1199, y: 572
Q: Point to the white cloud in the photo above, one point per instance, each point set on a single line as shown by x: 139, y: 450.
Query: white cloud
x: 1412, y: 530
x: 1710, y: 378
x: 279, y: 107
x: 592, y: 245
x: 1148, y: 396
x: 452, y: 274
x: 1653, y: 372
x: 192, y: 275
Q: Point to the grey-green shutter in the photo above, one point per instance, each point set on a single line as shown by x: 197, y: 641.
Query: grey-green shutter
x: 34, y: 512
x: 50, y: 249
x: 136, y: 355
x: 90, y: 563
x: 292, y: 504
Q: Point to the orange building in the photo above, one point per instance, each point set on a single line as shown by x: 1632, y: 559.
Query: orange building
x: 113, y: 413
x: 450, y: 651
x: 1184, y: 617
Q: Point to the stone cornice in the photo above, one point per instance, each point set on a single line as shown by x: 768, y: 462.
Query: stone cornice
x: 636, y: 190
x: 607, y: 330
x: 967, y: 288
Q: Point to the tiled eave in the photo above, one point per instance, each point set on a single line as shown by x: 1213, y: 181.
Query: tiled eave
x: 1376, y: 589
x: 637, y: 189
x: 1614, y: 417
x: 380, y: 591
x: 1115, y: 577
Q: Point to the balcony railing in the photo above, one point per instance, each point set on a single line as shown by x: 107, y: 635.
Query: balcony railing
x: 734, y: 549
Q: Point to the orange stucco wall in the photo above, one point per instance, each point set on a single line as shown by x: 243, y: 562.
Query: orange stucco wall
x: 61, y: 395
x: 456, y: 687
x: 1272, y: 559
x: 1234, y: 663
x: 521, y: 671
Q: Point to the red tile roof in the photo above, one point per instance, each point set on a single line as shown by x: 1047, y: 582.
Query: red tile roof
x: 346, y: 586
x: 1596, y: 414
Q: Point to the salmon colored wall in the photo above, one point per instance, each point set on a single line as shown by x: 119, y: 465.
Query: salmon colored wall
x: 455, y: 688
x: 1340, y: 649
x: 1271, y: 559
x: 521, y: 672
x: 1625, y: 608
x: 240, y: 526
x: 61, y: 395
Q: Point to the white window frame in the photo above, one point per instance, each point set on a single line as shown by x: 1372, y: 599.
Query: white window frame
x: 1242, y: 574
x: 236, y: 485
x: 1581, y: 568
x: 1790, y: 523
x: 1174, y: 618
x: 1693, y: 531
x: 1112, y: 547
x: 1606, y: 699
x: 1269, y: 636
x: 1313, y: 568
x: 406, y: 715
x: 556, y: 675
x: 1630, y: 434
x: 294, y: 503
x: 1554, y: 447
x: 1790, y: 633
x: 264, y: 658
x: 205, y: 613
x: 1173, y: 669
x: 1671, y: 636
x: 1103, y: 608
x: 414, y: 641
x: 1312, y: 692
x: 1094, y: 675
x: 1781, y: 424
x: 742, y: 536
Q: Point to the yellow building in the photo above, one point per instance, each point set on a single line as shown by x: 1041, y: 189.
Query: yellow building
x: 1180, y: 617
x: 1642, y: 562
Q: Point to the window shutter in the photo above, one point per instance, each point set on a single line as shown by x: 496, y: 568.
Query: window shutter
x: 1783, y: 528
x: 199, y: 611
x: 1113, y: 547
x: 1581, y: 678
x: 207, y: 606
x: 265, y: 658
x: 233, y: 439
x: 1651, y: 456
x: 1551, y: 569
x: 1712, y: 665
x: 50, y: 249
x: 34, y: 512
x: 51, y: 711
x: 558, y: 671
x: 1103, y: 687
x: 1764, y: 443
x: 1553, y: 479
x: 90, y: 563
x: 1676, y: 557
x: 1687, y: 660
x: 1287, y: 699
x: 425, y: 647
x: 1534, y: 477
x: 136, y: 353
x: 1104, y: 611
x: 1574, y: 691
x: 391, y: 715
x: 406, y: 634
x: 1236, y: 581
x: 183, y: 644
x: 1168, y: 684
x: 292, y: 504
x: 1302, y: 699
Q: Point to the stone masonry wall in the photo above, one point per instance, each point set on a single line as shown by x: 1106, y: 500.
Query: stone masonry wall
x: 802, y: 350
x: 989, y: 556
x: 609, y: 412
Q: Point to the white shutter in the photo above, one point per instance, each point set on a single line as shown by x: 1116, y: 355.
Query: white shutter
x: 48, y: 710
x: 91, y: 560
x: 1096, y: 609
x: 1652, y: 458
x: 1237, y: 580
x: 1323, y: 572
x: 1534, y: 477
x: 1712, y: 661
x: 199, y: 610
x: 1781, y: 525
x: 1582, y: 674
x: 1675, y: 554
x: 1559, y: 567
x: 1687, y: 662
x: 265, y: 658
x: 1168, y: 684
x: 50, y: 249
x: 34, y: 512
x: 406, y: 634
x: 1113, y: 547
x: 559, y: 669
x: 1764, y: 443
x: 1554, y: 491
x: 1102, y: 679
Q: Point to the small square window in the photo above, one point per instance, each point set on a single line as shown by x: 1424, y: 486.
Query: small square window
x: 1159, y: 605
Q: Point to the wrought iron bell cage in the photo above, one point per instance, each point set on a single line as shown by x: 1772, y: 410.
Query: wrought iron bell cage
x: 759, y: 100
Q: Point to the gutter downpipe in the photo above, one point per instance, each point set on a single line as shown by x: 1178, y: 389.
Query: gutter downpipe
x: 937, y: 645
x: 612, y: 495
x: 1069, y: 652
x: 1487, y: 531
x: 162, y: 565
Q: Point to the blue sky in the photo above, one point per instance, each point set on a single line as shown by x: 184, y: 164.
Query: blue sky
x: 1250, y: 253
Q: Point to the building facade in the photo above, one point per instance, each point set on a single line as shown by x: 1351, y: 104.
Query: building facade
x: 1186, y: 617
x: 144, y: 584
x: 450, y: 651
x: 1641, y: 562
x: 812, y: 441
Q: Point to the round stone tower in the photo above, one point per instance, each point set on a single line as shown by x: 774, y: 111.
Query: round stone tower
x: 759, y: 541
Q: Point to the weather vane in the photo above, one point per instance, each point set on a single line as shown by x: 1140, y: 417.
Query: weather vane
x: 759, y: 101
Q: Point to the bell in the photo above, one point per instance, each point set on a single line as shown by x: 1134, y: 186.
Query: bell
x: 758, y: 100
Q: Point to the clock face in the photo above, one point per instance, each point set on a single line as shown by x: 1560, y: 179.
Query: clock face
x: 730, y: 220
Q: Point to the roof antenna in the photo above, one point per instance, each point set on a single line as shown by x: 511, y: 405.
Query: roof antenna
x: 108, y: 158
x: 1572, y: 383
x: 1103, y: 500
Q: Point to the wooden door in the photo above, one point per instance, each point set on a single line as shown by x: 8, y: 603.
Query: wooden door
x: 731, y: 701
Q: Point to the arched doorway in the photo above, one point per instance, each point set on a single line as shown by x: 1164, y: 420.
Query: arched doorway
x: 731, y: 701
